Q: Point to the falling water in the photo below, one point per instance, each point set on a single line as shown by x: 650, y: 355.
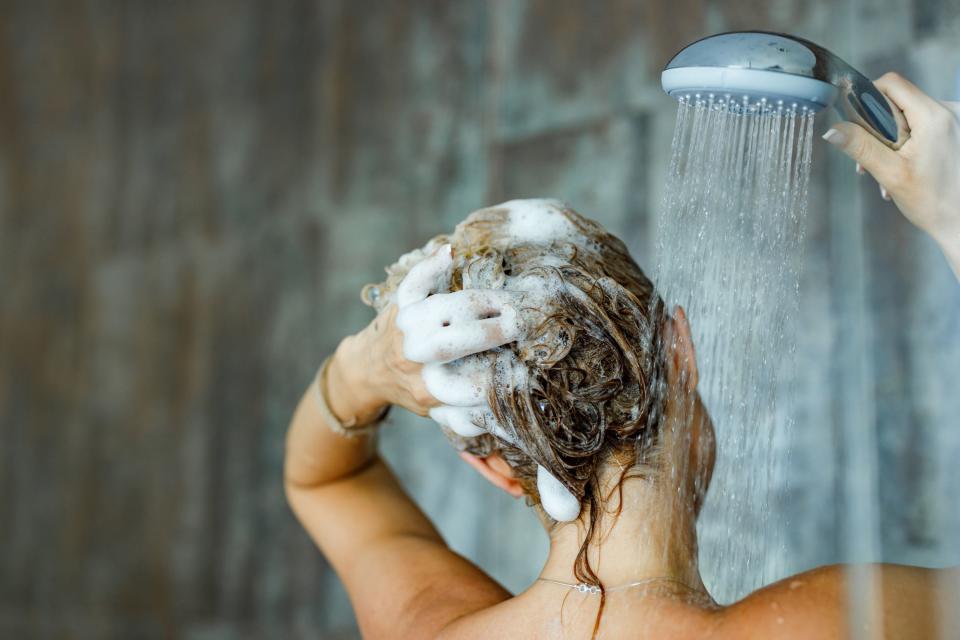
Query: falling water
x: 728, y: 242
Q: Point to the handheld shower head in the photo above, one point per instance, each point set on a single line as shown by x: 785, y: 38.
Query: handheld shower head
x: 754, y: 66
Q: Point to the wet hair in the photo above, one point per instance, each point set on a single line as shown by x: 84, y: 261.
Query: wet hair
x: 596, y: 372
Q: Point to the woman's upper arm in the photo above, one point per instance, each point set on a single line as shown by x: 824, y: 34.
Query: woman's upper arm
x: 397, y: 569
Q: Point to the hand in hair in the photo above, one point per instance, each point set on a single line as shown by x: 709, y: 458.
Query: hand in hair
x: 392, y: 560
x: 384, y: 363
x: 442, y: 327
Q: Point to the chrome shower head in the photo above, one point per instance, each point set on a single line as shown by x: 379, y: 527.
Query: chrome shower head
x: 752, y: 66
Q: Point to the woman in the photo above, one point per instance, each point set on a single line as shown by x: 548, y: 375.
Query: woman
x: 554, y: 367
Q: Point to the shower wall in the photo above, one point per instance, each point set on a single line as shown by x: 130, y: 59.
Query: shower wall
x: 193, y: 193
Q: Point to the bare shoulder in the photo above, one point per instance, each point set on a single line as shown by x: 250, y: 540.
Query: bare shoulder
x: 814, y: 604
x: 806, y: 605
x: 803, y: 606
x: 809, y: 605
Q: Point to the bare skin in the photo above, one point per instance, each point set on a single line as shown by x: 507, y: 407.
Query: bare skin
x: 404, y: 582
x: 923, y: 176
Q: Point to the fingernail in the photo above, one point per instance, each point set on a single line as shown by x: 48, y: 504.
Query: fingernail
x: 859, y: 169
x: 834, y: 137
x: 884, y: 194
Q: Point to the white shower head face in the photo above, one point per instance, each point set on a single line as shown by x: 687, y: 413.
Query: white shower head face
x: 748, y: 90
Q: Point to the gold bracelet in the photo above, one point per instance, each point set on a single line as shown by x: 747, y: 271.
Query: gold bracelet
x: 347, y: 429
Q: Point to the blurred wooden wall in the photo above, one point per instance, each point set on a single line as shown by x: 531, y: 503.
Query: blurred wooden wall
x: 193, y: 193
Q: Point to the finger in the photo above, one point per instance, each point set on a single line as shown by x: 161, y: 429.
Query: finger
x: 498, y: 430
x: 510, y: 372
x: 445, y: 327
x: 884, y: 194
x: 457, y: 341
x: 470, y: 422
x: 914, y: 103
x: 463, y: 421
x: 447, y: 309
x: 559, y: 503
x: 430, y: 275
x: 882, y: 162
x: 859, y: 169
x: 462, y: 383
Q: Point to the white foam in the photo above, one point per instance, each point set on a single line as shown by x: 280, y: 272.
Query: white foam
x: 470, y: 422
x: 408, y: 260
x: 500, y: 431
x: 538, y: 221
x: 556, y: 499
x: 449, y: 332
x: 463, y: 383
x: 539, y: 290
x: 428, y: 276
x: 464, y: 421
x: 509, y: 372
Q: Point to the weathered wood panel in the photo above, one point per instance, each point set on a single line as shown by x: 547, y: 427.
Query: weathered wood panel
x: 192, y: 194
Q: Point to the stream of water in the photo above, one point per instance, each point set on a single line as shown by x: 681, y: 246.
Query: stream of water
x: 728, y: 243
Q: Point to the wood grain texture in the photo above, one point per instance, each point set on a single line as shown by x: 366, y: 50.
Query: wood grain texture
x: 192, y: 195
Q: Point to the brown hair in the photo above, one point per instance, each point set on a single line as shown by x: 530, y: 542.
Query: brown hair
x: 596, y: 373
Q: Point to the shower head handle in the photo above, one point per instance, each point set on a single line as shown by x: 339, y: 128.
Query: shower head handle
x: 794, y: 68
x: 861, y: 102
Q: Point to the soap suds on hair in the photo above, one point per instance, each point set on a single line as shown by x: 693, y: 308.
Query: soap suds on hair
x: 555, y: 498
x: 448, y: 326
x: 467, y: 422
x: 462, y: 383
x: 539, y: 221
x: 493, y: 293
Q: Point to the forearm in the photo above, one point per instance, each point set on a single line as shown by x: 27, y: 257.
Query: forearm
x: 316, y: 454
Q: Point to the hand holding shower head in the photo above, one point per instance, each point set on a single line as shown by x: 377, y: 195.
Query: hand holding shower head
x: 780, y: 68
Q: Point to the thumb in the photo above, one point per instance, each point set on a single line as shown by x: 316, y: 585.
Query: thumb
x: 882, y: 162
x: 430, y: 275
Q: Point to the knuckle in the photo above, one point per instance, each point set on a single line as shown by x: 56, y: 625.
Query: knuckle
x: 423, y: 397
x: 861, y: 150
x: 889, y: 79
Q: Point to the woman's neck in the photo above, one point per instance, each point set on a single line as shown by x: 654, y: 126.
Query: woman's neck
x: 653, y: 536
